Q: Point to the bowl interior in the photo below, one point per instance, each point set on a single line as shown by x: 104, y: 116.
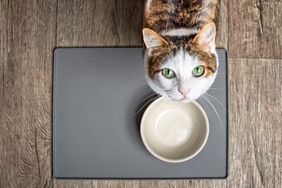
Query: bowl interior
x: 174, y: 131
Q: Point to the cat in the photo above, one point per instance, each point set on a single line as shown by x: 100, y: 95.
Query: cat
x: 180, y: 59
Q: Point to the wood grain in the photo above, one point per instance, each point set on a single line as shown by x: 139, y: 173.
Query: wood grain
x: 119, y: 184
x: 75, y: 184
x: 222, y: 26
x: 255, y: 28
x: 255, y: 129
x: 99, y: 23
x: 3, y: 58
x: 30, y: 30
x: 26, y: 61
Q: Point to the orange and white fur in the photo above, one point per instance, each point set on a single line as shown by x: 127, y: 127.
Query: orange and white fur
x: 180, y: 61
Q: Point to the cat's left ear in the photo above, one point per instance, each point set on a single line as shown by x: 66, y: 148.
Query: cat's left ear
x: 153, y: 39
x: 205, y: 39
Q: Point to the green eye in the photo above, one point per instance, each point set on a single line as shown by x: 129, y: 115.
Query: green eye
x: 198, y: 71
x: 168, y: 73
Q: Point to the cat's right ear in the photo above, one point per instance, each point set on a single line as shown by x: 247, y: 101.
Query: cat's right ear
x: 153, y: 39
x: 205, y: 39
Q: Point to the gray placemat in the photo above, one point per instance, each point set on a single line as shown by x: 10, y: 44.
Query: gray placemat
x: 96, y: 94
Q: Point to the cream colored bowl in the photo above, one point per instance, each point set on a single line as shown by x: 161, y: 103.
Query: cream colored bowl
x: 174, y: 131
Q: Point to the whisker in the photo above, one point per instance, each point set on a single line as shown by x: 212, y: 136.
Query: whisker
x: 204, y: 105
x: 210, y: 103
x: 146, y: 98
x: 216, y: 100
x: 147, y: 102
x: 209, y: 110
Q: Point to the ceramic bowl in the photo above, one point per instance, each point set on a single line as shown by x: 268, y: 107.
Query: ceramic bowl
x: 174, y: 131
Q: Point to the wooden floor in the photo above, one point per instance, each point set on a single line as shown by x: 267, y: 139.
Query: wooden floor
x: 251, y: 30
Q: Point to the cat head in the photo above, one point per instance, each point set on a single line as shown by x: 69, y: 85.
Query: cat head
x: 181, y: 68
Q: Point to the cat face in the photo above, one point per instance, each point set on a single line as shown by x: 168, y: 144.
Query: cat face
x: 181, y: 68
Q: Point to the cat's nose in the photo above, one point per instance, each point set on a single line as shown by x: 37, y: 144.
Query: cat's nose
x: 183, y: 91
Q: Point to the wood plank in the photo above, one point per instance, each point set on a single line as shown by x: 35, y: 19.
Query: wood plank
x: 255, y: 123
x: 26, y: 106
x: 201, y: 183
x: 255, y: 28
x: 3, y: 59
x: 118, y: 184
x: 222, y: 26
x: 100, y: 23
x: 158, y: 183
x: 75, y: 184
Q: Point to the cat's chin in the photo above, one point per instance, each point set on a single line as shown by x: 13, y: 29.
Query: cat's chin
x: 183, y: 100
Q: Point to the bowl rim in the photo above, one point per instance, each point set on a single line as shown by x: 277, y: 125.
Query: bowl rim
x: 164, y: 158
